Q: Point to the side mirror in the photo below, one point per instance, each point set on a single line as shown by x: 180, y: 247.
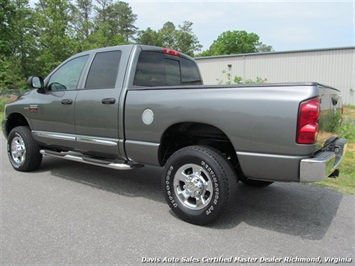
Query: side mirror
x: 36, y: 83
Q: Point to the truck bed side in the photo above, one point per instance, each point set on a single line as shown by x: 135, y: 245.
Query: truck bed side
x: 260, y: 123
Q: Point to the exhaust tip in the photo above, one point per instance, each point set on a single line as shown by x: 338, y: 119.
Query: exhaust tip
x: 335, y: 174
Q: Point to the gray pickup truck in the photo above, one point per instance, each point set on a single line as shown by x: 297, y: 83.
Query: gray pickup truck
x: 127, y: 106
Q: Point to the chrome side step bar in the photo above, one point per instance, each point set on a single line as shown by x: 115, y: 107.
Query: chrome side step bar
x: 77, y: 157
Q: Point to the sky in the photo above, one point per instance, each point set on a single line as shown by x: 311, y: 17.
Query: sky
x: 285, y: 25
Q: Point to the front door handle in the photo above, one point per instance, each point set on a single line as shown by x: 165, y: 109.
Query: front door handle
x: 108, y: 101
x: 67, y: 101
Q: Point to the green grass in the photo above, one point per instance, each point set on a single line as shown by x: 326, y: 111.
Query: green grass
x: 1, y: 116
x: 345, y: 183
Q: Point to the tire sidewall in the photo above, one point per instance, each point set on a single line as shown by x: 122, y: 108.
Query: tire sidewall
x: 215, y: 206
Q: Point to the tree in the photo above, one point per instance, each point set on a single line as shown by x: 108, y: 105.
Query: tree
x: 187, y: 41
x: 23, y: 37
x: 235, y: 42
x: 7, y: 11
x: 18, y: 50
x: 149, y: 37
x: 182, y: 38
x: 82, y: 22
x: 126, y: 20
x: 263, y: 48
x: 56, y: 35
x: 114, y: 23
x: 168, y: 35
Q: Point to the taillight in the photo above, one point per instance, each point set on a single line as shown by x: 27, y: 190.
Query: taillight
x: 308, y: 118
x: 171, y: 52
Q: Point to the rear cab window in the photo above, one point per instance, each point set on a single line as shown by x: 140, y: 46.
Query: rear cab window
x: 159, y: 69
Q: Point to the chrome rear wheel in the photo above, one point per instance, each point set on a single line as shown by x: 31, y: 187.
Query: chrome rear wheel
x: 199, y: 184
x: 193, y: 186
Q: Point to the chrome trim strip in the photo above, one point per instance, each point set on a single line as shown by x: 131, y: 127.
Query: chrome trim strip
x: 99, y: 141
x: 54, y: 135
x: 83, y: 139
x: 146, y: 143
x: 267, y: 155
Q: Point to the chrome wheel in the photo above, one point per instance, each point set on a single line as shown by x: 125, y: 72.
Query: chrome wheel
x: 18, y: 150
x: 23, y: 150
x: 198, y: 184
x: 193, y: 186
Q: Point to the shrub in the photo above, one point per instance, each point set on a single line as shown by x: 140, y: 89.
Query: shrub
x: 347, y: 129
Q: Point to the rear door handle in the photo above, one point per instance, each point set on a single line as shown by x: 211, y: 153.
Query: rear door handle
x: 67, y: 101
x: 108, y: 101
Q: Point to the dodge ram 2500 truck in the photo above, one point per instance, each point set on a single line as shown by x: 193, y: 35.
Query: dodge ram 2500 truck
x: 127, y: 106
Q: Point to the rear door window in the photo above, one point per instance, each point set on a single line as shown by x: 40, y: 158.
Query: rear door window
x: 103, y: 71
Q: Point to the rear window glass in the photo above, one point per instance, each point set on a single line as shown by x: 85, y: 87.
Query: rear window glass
x: 156, y: 69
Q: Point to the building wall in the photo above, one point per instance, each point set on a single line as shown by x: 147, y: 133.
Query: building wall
x: 333, y: 67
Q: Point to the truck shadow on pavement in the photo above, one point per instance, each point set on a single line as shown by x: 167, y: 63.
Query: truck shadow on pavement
x: 289, y: 208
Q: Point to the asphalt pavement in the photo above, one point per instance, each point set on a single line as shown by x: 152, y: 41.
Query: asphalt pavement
x: 72, y: 213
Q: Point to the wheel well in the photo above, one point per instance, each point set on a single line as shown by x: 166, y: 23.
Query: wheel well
x: 187, y: 134
x: 15, y: 120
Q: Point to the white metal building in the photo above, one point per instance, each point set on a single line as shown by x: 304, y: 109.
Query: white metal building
x: 334, y: 67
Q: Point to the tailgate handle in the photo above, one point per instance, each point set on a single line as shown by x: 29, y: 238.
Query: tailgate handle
x: 108, y: 101
x: 67, y: 101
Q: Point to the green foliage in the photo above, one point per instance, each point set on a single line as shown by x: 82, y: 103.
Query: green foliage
x: 236, y: 42
x: 345, y: 183
x: 182, y: 38
x: 239, y: 80
x: 347, y: 129
x: 55, y: 40
x: 114, y: 19
x: 11, y: 76
x: 35, y: 39
x: 149, y: 37
x: 7, y: 11
x: 11, y: 96
x: 329, y: 122
x: 3, y: 101
x: 82, y: 22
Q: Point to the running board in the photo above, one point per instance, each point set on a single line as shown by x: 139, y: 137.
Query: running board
x: 77, y: 157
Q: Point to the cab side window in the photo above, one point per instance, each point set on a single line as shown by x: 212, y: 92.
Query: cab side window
x: 68, y: 75
x: 103, y: 71
x: 189, y: 73
x: 156, y: 69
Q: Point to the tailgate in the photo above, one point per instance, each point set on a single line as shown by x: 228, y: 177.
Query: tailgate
x: 331, y: 107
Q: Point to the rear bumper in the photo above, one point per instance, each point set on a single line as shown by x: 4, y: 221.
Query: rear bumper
x: 324, y: 163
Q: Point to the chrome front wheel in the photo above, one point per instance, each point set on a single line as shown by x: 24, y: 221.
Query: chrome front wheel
x: 18, y: 150
x: 23, y: 150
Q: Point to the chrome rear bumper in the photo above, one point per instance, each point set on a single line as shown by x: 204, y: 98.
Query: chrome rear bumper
x: 324, y: 163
